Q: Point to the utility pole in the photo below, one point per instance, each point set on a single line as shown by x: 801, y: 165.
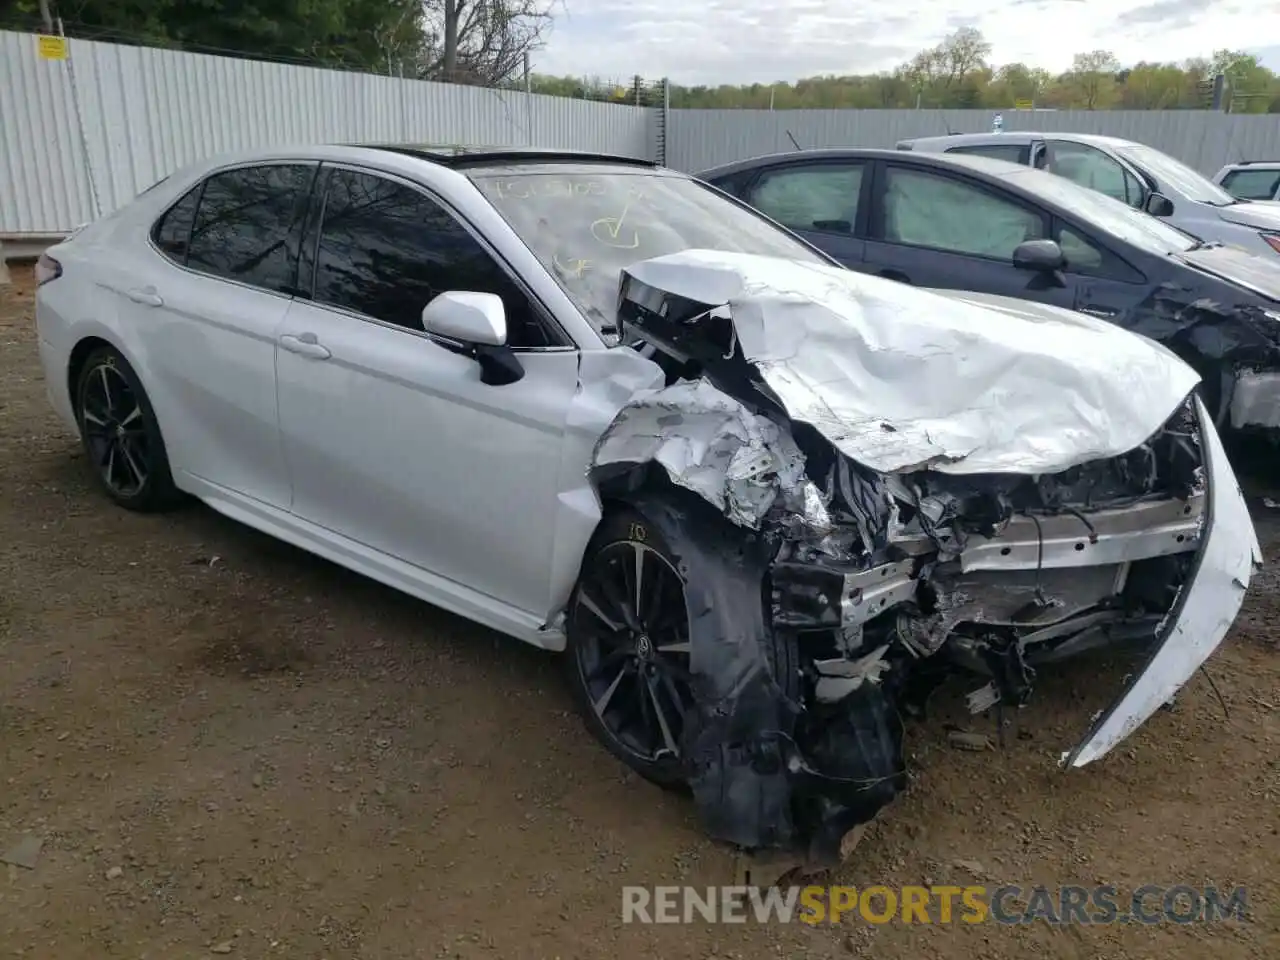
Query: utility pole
x: 46, y: 15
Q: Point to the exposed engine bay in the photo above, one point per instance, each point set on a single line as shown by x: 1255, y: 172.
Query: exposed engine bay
x: 880, y: 582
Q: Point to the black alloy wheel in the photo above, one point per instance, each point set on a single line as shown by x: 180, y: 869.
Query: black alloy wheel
x: 120, y: 434
x: 629, y: 648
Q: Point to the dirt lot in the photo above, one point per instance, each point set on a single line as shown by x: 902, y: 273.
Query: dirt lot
x: 228, y: 746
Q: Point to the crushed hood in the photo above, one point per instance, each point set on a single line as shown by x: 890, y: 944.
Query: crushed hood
x: 898, y: 378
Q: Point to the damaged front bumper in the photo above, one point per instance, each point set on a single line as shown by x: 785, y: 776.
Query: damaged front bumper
x: 1206, y: 606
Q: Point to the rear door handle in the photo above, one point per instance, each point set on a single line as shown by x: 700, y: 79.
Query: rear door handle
x: 306, y: 345
x: 146, y: 296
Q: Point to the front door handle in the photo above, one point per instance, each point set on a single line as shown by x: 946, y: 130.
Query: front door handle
x: 306, y: 345
x: 146, y: 296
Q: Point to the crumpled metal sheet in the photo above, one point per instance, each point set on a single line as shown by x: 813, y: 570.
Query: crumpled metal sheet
x: 711, y: 444
x: 900, y: 379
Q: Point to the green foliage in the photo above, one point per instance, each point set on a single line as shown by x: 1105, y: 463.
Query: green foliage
x: 957, y: 74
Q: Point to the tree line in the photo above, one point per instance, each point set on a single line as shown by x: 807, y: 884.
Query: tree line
x: 958, y: 73
x: 481, y: 42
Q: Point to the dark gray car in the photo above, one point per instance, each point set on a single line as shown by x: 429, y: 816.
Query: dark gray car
x: 973, y: 223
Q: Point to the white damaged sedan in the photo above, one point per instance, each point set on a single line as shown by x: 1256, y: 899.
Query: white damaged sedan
x: 764, y: 505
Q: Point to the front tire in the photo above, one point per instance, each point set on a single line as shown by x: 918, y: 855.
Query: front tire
x: 121, y: 436
x: 628, y: 657
x: 628, y: 647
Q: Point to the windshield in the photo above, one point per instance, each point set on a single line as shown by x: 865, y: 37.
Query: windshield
x: 1116, y: 218
x: 1175, y: 175
x: 587, y: 225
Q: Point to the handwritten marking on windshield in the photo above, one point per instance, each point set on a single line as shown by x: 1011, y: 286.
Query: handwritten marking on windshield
x: 528, y: 189
x: 575, y: 267
x: 606, y: 229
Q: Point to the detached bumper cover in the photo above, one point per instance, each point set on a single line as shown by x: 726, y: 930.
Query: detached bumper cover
x: 1203, y: 613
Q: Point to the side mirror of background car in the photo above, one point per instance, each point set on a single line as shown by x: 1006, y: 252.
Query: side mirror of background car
x: 1040, y: 255
x: 474, y: 325
x: 1158, y: 205
x: 1045, y: 259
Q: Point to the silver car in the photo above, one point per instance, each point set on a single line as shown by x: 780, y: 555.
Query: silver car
x: 1251, y: 180
x: 1133, y: 173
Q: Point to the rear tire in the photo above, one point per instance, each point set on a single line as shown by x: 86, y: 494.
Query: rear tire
x: 121, y: 436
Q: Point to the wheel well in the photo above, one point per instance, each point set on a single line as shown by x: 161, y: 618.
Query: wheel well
x: 79, y: 354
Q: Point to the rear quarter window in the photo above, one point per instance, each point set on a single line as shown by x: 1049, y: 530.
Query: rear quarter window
x: 1252, y: 184
x: 1019, y: 153
x: 172, y: 232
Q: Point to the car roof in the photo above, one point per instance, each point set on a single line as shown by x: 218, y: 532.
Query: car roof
x: 961, y: 139
x: 987, y: 165
x: 1252, y: 165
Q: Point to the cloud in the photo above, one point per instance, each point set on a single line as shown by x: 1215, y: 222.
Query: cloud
x: 1167, y: 12
x: 746, y: 41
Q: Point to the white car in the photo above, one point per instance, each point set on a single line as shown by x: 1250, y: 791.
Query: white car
x: 600, y: 406
x: 1251, y: 180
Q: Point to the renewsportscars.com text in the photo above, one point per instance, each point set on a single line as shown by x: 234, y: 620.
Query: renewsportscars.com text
x: 1010, y: 904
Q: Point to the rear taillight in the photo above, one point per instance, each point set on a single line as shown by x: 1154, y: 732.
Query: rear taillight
x: 1273, y: 241
x: 47, y: 269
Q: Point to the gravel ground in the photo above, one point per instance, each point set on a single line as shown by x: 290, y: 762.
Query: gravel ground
x: 227, y: 746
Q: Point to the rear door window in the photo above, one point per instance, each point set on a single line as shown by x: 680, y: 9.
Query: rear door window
x: 1253, y: 184
x: 821, y: 196
x: 248, y: 225
x: 1094, y: 169
x: 945, y: 213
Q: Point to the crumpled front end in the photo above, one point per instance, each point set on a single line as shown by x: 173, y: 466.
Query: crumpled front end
x: 894, y: 544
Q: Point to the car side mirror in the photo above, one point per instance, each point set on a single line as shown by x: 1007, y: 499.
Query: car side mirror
x: 1158, y: 205
x: 474, y: 325
x: 1039, y: 255
x: 471, y: 318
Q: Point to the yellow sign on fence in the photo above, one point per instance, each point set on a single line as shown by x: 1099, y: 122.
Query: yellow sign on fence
x: 52, y: 48
x: 1024, y: 104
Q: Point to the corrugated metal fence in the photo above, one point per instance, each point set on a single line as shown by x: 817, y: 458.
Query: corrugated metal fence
x: 81, y: 136
x: 698, y: 139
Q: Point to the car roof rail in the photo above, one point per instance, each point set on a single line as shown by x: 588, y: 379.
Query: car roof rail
x: 450, y: 155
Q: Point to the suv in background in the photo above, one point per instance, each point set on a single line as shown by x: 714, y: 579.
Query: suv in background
x: 1132, y: 173
x: 1251, y: 180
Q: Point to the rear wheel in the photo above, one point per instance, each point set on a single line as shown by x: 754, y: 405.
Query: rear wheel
x: 120, y: 434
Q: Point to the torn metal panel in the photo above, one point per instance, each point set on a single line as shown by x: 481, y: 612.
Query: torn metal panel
x: 899, y: 379
x: 1202, y: 615
x: 712, y: 445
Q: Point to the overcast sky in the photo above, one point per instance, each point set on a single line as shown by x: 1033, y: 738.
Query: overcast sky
x: 741, y: 41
